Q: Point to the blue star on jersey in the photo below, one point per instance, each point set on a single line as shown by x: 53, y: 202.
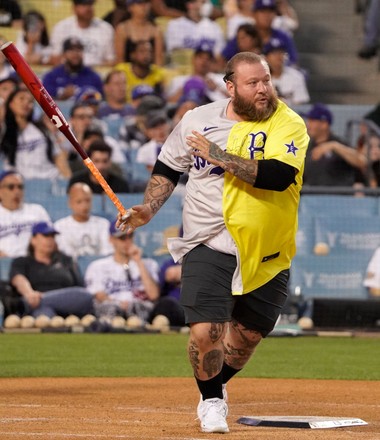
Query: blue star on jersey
x: 291, y: 148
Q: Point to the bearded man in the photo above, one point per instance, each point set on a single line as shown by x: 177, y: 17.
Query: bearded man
x: 245, y: 159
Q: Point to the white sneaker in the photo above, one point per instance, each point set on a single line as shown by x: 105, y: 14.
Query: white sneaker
x: 212, y: 413
x: 225, y: 398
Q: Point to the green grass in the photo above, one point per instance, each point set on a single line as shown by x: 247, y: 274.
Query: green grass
x: 123, y: 355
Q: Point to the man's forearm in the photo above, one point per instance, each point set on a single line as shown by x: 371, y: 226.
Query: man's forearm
x: 244, y: 169
x: 158, y: 190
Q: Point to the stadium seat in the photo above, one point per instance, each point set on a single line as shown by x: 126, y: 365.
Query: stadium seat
x: 330, y: 276
x: 5, y: 264
x: 151, y: 236
x: 84, y: 260
x: 38, y: 191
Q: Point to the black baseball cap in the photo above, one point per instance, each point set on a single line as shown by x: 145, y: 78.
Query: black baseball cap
x: 72, y: 43
x: 84, y: 2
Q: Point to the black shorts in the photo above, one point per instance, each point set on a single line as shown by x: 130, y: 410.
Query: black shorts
x: 206, y: 292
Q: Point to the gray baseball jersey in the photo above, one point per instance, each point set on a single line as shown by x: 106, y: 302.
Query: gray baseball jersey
x: 202, y: 212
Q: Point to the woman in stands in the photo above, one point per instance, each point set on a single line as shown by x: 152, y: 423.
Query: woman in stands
x: 48, y: 280
x: 27, y: 145
x: 138, y: 27
x: 33, y: 41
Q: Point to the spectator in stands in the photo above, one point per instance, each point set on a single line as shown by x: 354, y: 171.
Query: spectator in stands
x: 101, y: 155
x: 7, y: 86
x: 372, y: 277
x: 33, y: 41
x: 72, y: 77
x: 289, y: 81
x: 202, y: 68
x: 123, y: 283
x: 264, y: 13
x: 247, y: 39
x: 82, y: 233
x: 177, y: 8
x: 157, y: 129
x: 193, y: 30
x: 6, y: 70
x: 371, y: 149
x: 82, y: 118
x: 141, y: 69
x: 138, y: 27
x: 371, y: 30
x: 95, y: 133
x: 139, y: 92
x: 133, y: 132
x: 96, y: 35
x: 329, y: 162
x: 48, y: 280
x: 10, y: 14
x: 27, y: 145
x: 118, y: 14
x: 16, y: 217
x: 127, y: 284
x: 241, y: 11
x: 115, y: 97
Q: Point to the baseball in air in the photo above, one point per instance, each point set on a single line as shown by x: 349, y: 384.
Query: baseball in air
x: 321, y: 249
x: 12, y: 321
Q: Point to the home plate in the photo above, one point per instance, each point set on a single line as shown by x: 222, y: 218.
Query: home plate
x: 301, y: 422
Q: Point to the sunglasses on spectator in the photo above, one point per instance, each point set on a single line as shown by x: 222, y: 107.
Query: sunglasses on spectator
x: 12, y: 186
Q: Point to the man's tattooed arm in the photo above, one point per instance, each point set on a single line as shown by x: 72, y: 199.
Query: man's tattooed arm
x: 244, y: 169
x: 158, y: 190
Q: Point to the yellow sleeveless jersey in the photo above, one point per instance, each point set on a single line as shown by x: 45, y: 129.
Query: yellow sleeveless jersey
x: 263, y: 223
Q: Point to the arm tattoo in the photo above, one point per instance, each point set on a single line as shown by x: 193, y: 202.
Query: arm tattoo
x: 159, y: 189
x: 213, y: 362
x: 244, y: 169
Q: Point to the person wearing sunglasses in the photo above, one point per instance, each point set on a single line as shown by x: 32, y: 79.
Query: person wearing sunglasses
x: 16, y: 217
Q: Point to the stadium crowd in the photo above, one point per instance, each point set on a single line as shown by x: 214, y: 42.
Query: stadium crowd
x: 124, y: 80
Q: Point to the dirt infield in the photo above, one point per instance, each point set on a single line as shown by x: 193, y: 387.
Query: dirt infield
x: 164, y: 408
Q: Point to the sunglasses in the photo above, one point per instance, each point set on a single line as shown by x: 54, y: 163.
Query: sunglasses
x: 12, y: 186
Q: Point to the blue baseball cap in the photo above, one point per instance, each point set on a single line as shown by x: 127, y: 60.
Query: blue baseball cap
x: 273, y: 45
x: 43, y: 228
x: 319, y: 112
x: 141, y: 91
x: 7, y: 173
x: 264, y: 4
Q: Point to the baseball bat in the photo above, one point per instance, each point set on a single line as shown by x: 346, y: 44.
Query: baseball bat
x: 49, y: 106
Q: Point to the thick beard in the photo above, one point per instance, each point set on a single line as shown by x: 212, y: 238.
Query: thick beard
x: 248, y: 111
